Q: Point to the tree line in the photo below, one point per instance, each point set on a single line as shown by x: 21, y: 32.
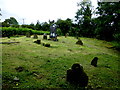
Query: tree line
x: 105, y: 26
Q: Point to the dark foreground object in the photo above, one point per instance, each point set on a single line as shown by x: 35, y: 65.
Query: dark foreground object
x: 94, y: 61
x: 77, y: 76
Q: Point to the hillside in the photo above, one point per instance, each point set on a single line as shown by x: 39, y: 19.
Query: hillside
x: 45, y: 67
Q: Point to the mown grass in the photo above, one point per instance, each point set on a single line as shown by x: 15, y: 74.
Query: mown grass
x: 45, y: 67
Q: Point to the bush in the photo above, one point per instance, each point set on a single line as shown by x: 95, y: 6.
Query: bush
x: 117, y: 37
x: 12, y: 31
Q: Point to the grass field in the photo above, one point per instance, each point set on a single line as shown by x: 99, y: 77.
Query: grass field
x: 45, y: 67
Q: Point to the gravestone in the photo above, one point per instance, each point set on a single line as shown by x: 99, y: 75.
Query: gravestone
x: 67, y: 34
x: 47, y: 45
x: 45, y: 36
x: 35, y: 36
x: 28, y: 34
x: 94, y: 61
x: 16, y: 79
x: 38, y: 41
x: 19, y: 68
x: 53, y: 34
x: 79, y: 42
x: 77, y: 76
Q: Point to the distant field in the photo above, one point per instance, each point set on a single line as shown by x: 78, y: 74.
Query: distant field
x: 45, y: 67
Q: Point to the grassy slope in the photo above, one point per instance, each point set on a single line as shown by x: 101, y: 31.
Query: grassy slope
x: 50, y: 64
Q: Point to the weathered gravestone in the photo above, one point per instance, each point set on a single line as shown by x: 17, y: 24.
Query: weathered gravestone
x: 35, y: 36
x: 38, y: 41
x: 46, y: 44
x: 94, y: 61
x: 53, y: 34
x: 79, y: 42
x: 67, y: 34
x: 28, y: 34
x: 45, y: 36
x: 19, y: 68
x: 77, y: 76
x: 16, y: 79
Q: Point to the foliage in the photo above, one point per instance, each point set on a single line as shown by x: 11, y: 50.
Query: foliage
x: 45, y: 26
x: 11, y: 31
x: 83, y: 18
x: 108, y: 25
x: 8, y: 22
x: 64, y: 25
x: 38, y: 26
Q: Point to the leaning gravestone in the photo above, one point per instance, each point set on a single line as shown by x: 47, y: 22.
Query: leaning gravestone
x: 35, y: 36
x: 77, y: 76
x: 45, y: 36
x: 79, y: 42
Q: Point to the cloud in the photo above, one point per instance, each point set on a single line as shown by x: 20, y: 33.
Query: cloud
x: 42, y: 10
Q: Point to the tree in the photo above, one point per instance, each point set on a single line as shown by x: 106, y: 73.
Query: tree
x: 45, y: 26
x: 9, y: 22
x: 32, y: 26
x: 108, y: 25
x: 83, y: 18
x: 38, y: 25
x: 64, y: 25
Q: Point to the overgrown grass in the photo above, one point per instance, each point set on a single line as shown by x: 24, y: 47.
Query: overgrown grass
x: 45, y: 67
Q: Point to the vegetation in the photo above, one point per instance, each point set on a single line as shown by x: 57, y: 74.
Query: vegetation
x: 45, y: 67
x: 106, y: 26
x: 12, y: 31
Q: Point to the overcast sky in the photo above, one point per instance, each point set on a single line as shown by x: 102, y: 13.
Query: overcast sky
x: 42, y: 10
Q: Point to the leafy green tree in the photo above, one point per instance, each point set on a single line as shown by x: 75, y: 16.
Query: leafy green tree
x: 13, y: 21
x: 108, y: 25
x: 32, y: 26
x: 38, y: 25
x: 9, y: 22
x: 83, y: 18
x: 64, y: 25
x: 45, y: 26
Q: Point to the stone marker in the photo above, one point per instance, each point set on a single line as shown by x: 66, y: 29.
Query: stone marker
x: 67, y: 34
x: 19, y: 69
x: 77, y: 76
x: 38, y: 41
x: 35, y: 36
x: 47, y: 45
x: 45, y: 36
x: 94, y: 61
x: 16, y: 79
x: 79, y: 42
x: 28, y: 34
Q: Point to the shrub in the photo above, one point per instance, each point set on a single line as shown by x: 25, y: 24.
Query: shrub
x: 12, y: 31
x: 117, y: 37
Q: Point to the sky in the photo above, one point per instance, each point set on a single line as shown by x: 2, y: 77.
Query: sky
x: 42, y: 10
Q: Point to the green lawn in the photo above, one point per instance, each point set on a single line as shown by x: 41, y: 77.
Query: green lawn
x: 45, y: 67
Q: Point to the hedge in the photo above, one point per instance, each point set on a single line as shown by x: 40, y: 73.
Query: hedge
x: 11, y: 31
